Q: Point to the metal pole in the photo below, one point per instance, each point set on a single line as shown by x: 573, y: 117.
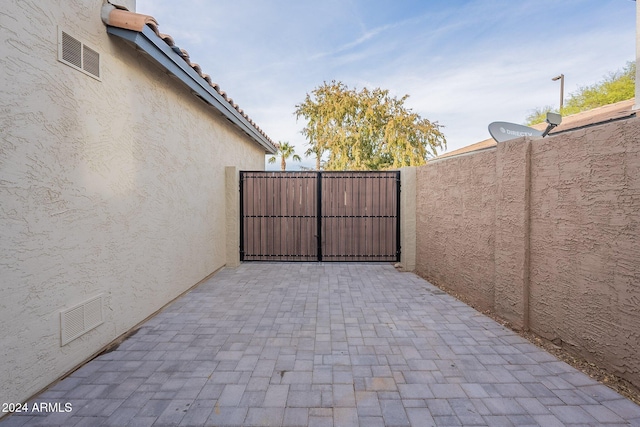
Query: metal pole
x: 561, y: 92
x: 561, y: 78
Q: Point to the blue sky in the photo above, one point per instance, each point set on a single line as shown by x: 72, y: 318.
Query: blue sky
x: 463, y: 63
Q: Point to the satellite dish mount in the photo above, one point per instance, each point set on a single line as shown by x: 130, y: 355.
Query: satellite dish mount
x: 553, y: 120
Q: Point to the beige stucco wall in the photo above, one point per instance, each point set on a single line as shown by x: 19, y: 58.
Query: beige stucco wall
x: 408, y: 217
x: 124, y: 4
x: 113, y: 187
x: 546, y: 233
x: 232, y: 200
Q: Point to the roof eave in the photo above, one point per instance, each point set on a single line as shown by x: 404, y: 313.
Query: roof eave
x: 149, y: 42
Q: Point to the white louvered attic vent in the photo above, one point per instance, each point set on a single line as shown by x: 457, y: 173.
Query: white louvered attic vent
x: 78, y: 55
x: 82, y: 318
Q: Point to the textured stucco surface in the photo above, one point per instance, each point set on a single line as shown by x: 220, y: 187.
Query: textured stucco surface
x: 512, y: 231
x: 585, y: 243
x: 455, y: 224
x: 546, y: 233
x: 408, y: 217
x: 114, y: 186
x: 232, y: 201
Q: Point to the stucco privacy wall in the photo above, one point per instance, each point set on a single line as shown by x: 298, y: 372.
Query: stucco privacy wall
x: 455, y: 224
x: 585, y: 243
x: 112, y: 187
x: 553, y: 241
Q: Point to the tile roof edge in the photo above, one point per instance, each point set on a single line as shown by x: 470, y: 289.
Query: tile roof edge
x: 128, y: 20
x: 121, y: 18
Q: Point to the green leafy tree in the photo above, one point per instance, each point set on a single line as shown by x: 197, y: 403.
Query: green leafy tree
x: 285, y: 150
x: 366, y: 129
x: 616, y: 87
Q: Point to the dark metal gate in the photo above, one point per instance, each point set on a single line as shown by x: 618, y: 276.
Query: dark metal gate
x: 320, y: 216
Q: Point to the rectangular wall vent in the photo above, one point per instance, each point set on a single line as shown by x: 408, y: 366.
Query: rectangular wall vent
x: 78, y: 55
x: 80, y: 319
x: 90, y: 61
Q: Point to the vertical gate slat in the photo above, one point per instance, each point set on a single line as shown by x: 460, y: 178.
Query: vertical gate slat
x: 379, y: 234
x: 388, y: 220
x: 282, y: 220
x: 291, y: 220
x: 257, y: 229
x: 382, y: 198
x: 367, y: 228
x: 354, y: 232
x: 264, y: 207
x: 341, y: 235
x: 360, y: 228
x: 389, y: 201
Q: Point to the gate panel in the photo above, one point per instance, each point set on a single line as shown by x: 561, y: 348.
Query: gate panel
x: 356, y: 215
x: 360, y: 216
x: 278, y: 216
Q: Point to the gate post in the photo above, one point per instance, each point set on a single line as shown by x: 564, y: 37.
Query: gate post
x: 408, y: 218
x: 232, y: 215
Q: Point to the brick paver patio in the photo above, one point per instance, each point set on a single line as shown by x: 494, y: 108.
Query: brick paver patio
x: 326, y: 345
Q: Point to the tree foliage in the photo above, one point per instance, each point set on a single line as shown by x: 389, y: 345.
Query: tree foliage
x: 366, y: 129
x: 616, y: 87
x: 539, y: 115
x: 285, y: 150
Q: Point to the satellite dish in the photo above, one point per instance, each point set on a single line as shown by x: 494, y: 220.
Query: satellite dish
x: 504, y: 131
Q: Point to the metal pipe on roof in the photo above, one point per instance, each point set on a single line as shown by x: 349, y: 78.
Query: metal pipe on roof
x: 561, y: 78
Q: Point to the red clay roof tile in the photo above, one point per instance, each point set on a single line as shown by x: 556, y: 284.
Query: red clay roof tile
x: 131, y: 21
